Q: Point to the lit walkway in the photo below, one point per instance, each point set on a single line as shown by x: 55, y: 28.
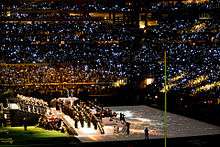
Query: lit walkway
x: 143, y: 116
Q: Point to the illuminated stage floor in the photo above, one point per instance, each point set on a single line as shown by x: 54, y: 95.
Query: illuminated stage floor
x: 144, y: 116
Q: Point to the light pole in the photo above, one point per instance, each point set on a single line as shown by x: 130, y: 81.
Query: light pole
x: 165, y: 99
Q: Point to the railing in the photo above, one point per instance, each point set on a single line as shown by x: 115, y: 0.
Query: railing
x: 99, y: 125
x: 69, y: 125
x: 101, y: 128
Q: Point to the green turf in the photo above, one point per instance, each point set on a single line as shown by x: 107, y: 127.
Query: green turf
x: 33, y: 135
x: 33, y: 132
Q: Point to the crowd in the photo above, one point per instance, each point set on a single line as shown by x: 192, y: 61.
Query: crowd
x: 91, y: 48
x: 107, y: 5
x: 31, y: 74
x: 77, y: 5
x: 190, y: 50
x: 175, y: 5
x: 62, y: 41
x: 98, y: 51
x: 32, y: 105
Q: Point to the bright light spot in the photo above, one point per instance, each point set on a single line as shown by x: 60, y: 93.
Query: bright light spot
x: 167, y: 87
x: 148, y: 81
x: 87, y: 131
x: 8, y: 13
x: 74, y: 14
x: 195, y: 1
x: 152, y: 23
x: 13, y: 106
x: 199, y: 27
x: 177, y: 77
x: 119, y: 83
x: 207, y: 87
x: 126, y: 113
x: 198, y: 80
x: 141, y: 24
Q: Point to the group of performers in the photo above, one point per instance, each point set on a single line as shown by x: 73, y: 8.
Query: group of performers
x: 84, y: 113
x: 32, y: 105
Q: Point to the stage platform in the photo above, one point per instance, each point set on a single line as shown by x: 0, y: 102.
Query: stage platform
x: 144, y: 116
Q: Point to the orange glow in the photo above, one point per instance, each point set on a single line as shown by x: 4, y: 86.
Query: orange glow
x: 148, y: 81
x: 152, y: 23
x: 195, y: 1
x: 74, y: 14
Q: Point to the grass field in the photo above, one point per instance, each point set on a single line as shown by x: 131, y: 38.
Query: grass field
x: 17, y: 135
x: 33, y: 131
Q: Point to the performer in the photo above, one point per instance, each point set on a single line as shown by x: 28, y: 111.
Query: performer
x: 128, y: 128
x: 25, y: 123
x: 146, y: 133
x: 76, y: 121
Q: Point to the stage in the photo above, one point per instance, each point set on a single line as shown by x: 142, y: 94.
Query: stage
x: 141, y: 117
